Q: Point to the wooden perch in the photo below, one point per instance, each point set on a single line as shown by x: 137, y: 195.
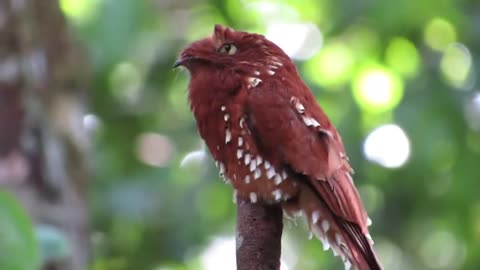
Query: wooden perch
x: 259, y: 234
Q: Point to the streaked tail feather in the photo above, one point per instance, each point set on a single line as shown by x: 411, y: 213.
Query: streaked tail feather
x: 344, y: 238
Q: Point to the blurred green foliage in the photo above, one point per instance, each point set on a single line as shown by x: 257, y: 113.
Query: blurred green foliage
x: 18, y: 245
x: 148, y: 217
x: 149, y: 212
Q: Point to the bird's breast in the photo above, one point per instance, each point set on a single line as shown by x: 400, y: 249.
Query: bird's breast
x: 254, y: 173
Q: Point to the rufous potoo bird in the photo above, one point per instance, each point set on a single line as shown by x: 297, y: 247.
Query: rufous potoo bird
x: 271, y: 139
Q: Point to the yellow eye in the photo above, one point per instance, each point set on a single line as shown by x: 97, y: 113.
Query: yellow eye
x: 228, y: 48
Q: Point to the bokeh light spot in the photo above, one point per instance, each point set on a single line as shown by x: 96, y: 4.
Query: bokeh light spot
x: 80, y: 11
x: 220, y: 255
x: 194, y: 157
x: 154, y: 149
x: 388, y: 146
x: 439, y: 33
x: 377, y: 89
x: 332, y: 66
x: 126, y: 82
x: 402, y: 56
x: 455, y: 65
x: 266, y: 11
x: 440, y: 250
x: 298, y: 40
x: 472, y: 112
x: 391, y: 255
x: 90, y: 122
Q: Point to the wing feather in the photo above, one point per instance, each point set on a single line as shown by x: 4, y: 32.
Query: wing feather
x: 315, y: 151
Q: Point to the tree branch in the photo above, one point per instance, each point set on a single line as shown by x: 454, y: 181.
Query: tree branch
x: 259, y: 233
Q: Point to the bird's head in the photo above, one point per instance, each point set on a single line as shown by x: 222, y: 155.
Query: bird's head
x: 228, y: 54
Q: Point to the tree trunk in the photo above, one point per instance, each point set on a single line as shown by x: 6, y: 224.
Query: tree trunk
x: 43, y: 142
x: 259, y: 235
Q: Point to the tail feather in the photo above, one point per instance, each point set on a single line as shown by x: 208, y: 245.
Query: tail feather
x: 345, y: 238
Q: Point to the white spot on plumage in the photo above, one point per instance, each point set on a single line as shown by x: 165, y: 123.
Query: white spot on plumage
x: 339, y: 239
x: 277, y: 63
x: 326, y: 244
x: 270, y: 172
x: 369, y: 238
x: 284, y: 175
x: 235, y: 193
x: 299, y: 107
x: 226, y: 117
x: 256, y: 72
x: 325, y: 225
x: 257, y: 173
x: 217, y: 163
x: 314, y: 122
x: 247, y: 159
x: 343, y: 257
x: 267, y: 165
x: 307, y: 121
x: 228, y: 135
x: 253, y: 81
x: 277, y: 194
x: 349, y: 177
x: 253, y: 165
x: 242, y: 122
x: 222, y: 168
x: 270, y: 72
x: 247, y: 179
x: 223, y: 108
x: 240, y: 141
x: 348, y: 265
x: 239, y: 153
x: 315, y: 216
x: 259, y: 160
x: 274, y: 58
x: 369, y: 221
x: 253, y: 197
x: 278, y: 179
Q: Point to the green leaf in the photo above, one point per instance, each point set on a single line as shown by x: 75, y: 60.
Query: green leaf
x: 18, y: 245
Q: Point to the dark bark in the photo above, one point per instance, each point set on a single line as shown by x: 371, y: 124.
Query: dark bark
x: 259, y: 233
x: 43, y: 143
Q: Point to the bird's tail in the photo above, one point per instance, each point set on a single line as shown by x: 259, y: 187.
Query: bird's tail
x: 345, y: 238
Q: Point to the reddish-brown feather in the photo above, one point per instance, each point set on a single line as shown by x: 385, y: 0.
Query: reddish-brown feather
x: 270, y: 138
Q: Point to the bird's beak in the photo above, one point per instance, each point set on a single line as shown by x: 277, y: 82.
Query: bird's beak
x: 182, y: 61
x: 178, y: 63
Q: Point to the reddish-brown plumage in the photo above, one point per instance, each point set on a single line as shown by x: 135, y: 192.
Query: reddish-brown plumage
x: 273, y: 142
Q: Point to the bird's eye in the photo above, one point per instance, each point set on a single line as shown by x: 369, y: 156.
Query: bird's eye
x: 228, y: 48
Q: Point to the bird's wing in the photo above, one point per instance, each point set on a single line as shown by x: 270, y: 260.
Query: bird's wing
x: 289, y: 122
x: 289, y: 126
